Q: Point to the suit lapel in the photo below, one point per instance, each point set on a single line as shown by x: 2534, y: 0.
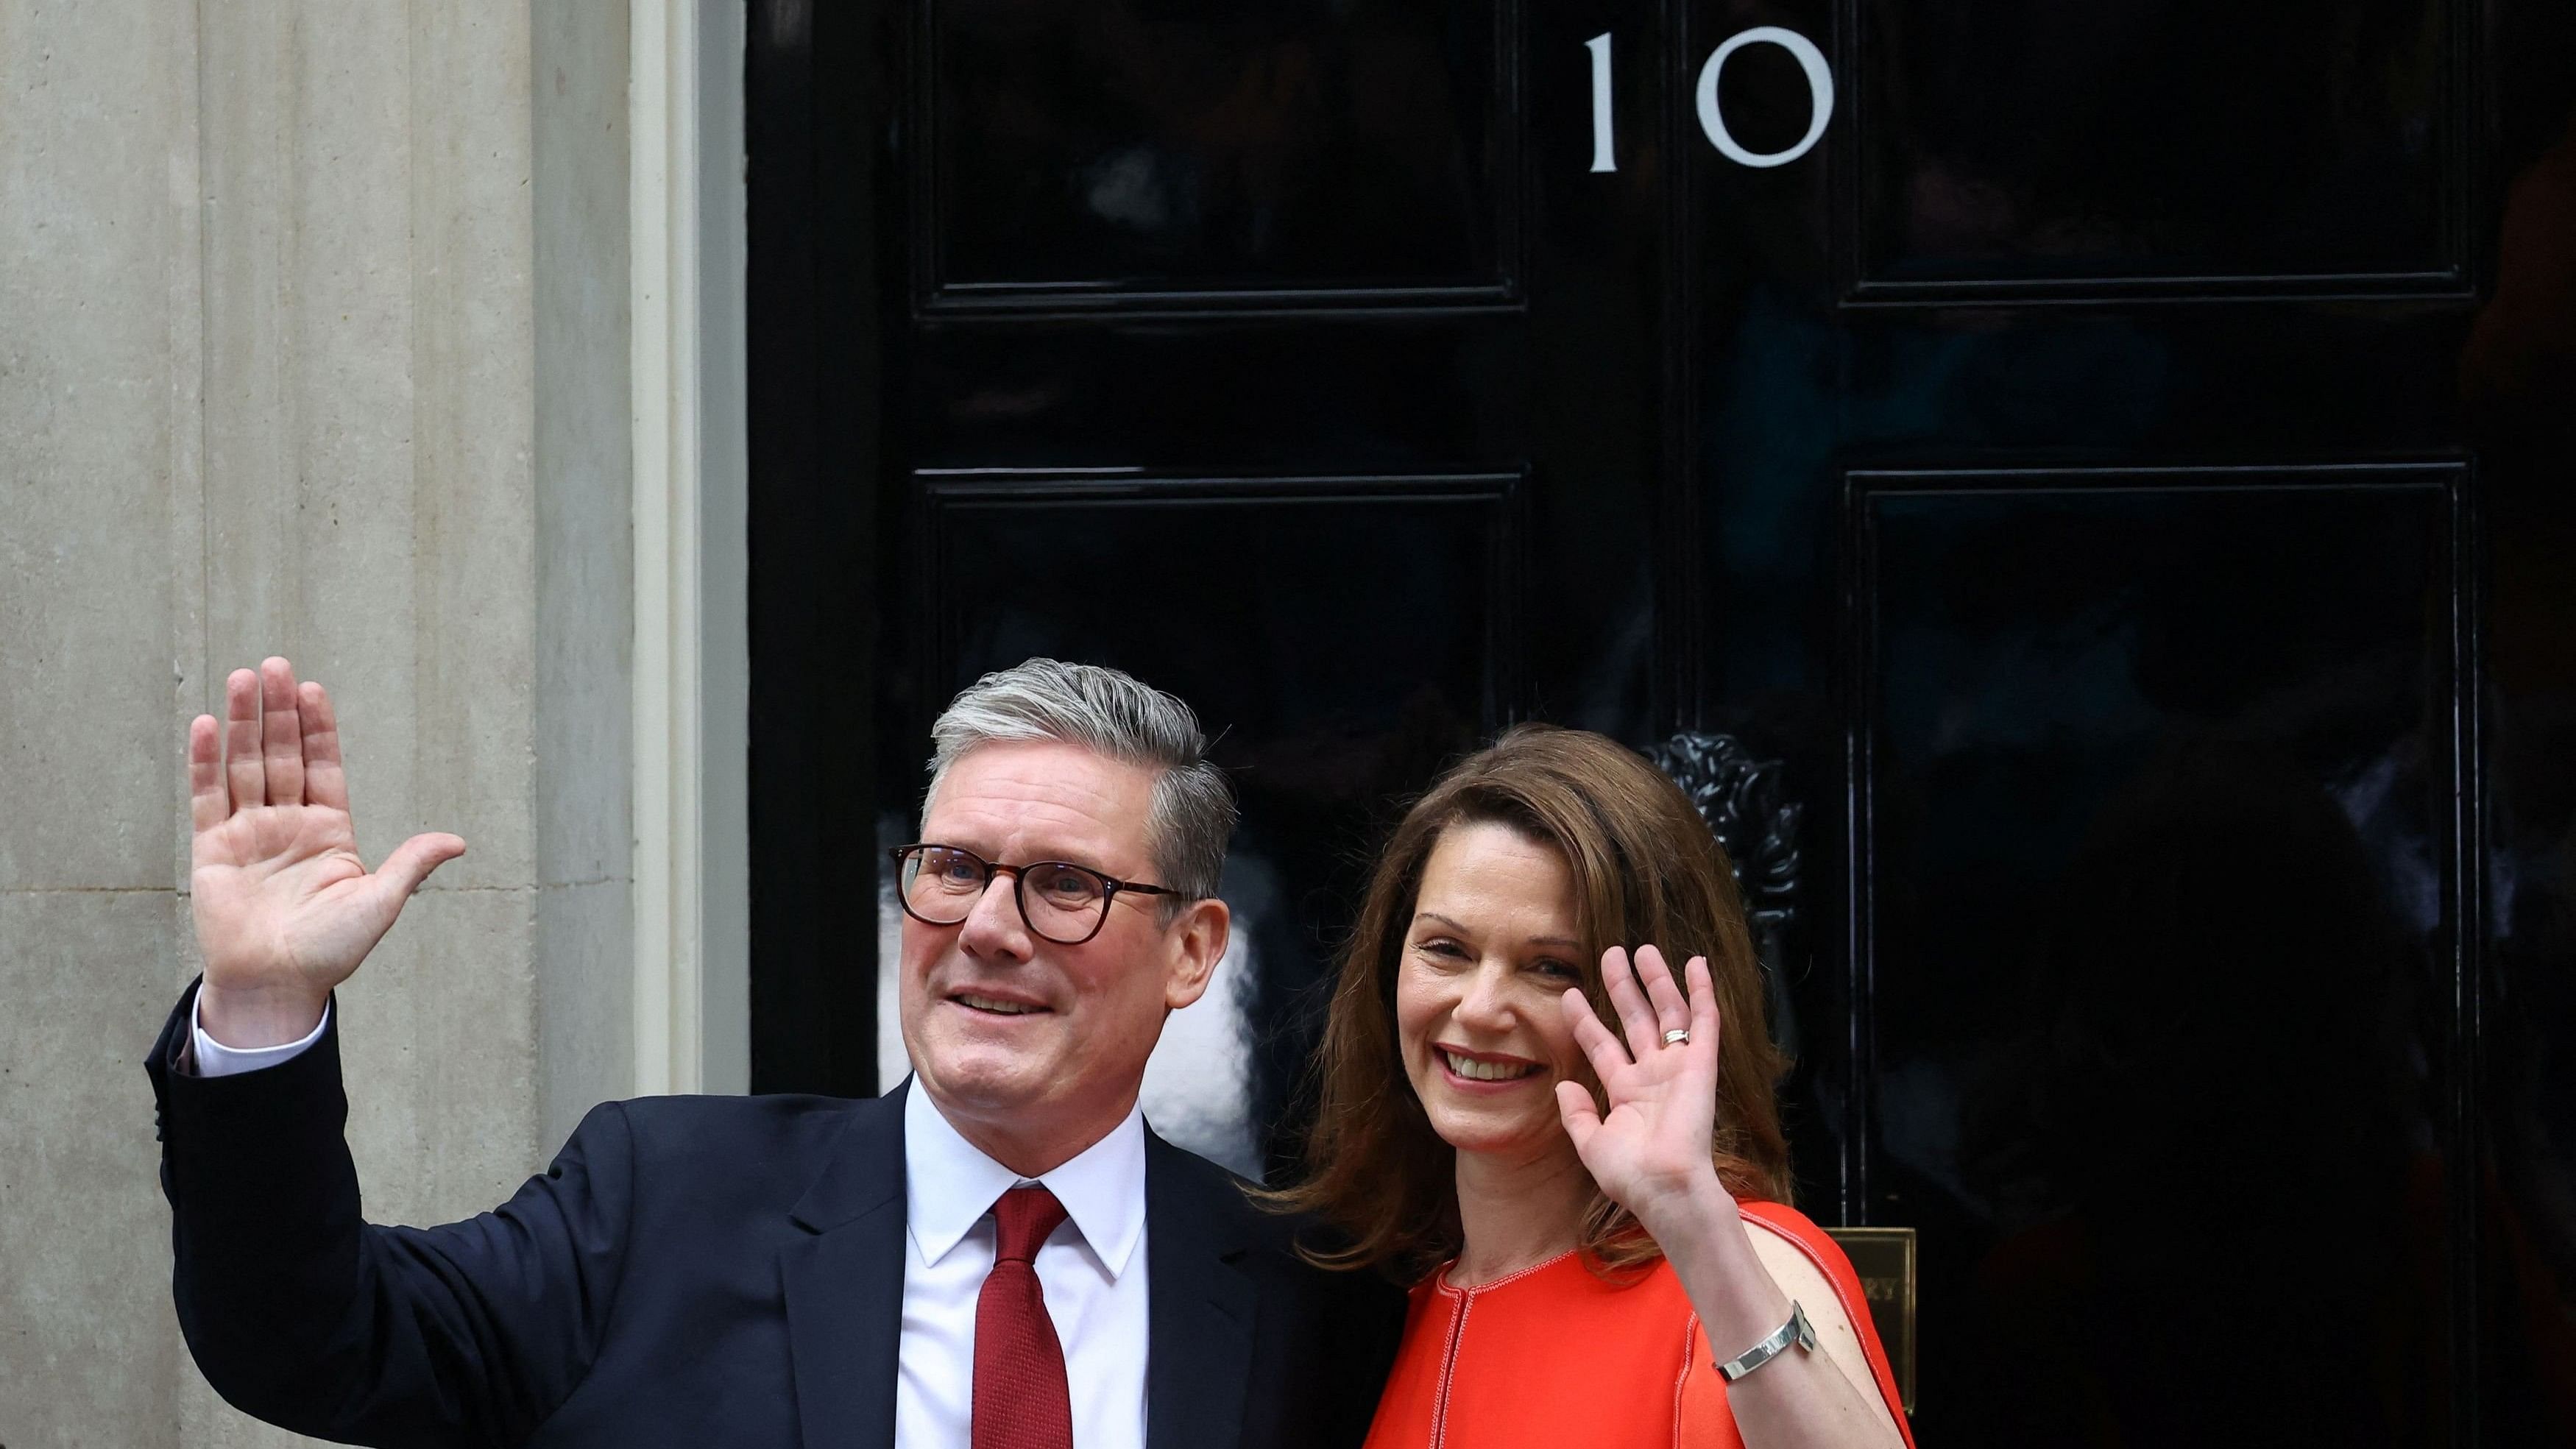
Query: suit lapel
x: 1200, y: 1318
x: 844, y: 1285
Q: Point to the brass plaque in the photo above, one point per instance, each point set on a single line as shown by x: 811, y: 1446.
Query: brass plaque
x: 1884, y: 1259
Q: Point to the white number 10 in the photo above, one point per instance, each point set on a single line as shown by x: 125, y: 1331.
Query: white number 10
x: 1820, y: 92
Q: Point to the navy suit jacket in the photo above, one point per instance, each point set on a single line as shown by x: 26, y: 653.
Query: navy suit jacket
x: 690, y: 1271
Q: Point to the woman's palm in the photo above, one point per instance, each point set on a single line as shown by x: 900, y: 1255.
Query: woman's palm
x: 1652, y: 1145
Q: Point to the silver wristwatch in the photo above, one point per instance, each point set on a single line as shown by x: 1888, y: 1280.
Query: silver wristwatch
x: 1797, y: 1330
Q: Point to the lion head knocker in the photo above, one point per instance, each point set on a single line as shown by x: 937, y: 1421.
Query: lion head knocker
x: 1739, y: 797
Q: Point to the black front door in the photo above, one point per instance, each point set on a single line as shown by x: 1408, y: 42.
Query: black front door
x: 2116, y: 459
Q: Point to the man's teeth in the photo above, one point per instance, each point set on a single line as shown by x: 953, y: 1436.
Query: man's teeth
x: 1487, y: 1071
x: 987, y: 1003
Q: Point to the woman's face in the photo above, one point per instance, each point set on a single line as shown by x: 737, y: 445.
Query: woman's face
x: 1491, y: 948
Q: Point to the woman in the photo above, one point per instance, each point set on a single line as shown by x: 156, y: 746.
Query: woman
x: 1596, y: 1224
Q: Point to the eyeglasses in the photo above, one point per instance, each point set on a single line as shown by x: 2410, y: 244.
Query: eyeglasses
x: 941, y: 884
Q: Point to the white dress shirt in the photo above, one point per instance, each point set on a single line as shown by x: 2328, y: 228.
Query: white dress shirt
x: 1092, y: 1268
x: 214, y: 1059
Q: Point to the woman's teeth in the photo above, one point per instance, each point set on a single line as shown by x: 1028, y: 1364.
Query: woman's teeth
x: 987, y: 1003
x: 1487, y: 1071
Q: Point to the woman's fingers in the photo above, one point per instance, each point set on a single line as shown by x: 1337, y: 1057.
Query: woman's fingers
x: 281, y: 739
x: 242, y: 770
x: 1599, y: 1046
x: 209, y: 805
x: 1672, y: 1013
x: 1576, y: 1109
x: 1705, y: 1023
x: 1636, y: 1018
x: 325, y: 784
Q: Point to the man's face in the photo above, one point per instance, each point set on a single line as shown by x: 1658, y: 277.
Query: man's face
x: 1047, y: 1076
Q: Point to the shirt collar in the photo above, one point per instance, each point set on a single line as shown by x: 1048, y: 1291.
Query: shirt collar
x: 949, y: 1184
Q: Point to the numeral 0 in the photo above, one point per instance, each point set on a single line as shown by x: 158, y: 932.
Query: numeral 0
x: 1820, y: 91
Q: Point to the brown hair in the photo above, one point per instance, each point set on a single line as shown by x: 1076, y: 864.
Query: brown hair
x: 1646, y: 871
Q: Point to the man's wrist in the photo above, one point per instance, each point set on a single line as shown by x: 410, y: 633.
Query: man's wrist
x: 207, y: 1057
x: 257, y: 1018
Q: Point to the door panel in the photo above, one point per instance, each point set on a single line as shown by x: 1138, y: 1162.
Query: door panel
x: 2179, y: 149
x: 1079, y: 153
x: 2158, y: 939
x: 1224, y: 392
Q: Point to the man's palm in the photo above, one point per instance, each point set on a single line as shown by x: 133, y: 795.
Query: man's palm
x: 285, y: 909
x: 281, y: 887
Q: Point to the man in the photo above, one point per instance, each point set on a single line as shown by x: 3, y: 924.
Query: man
x: 999, y: 1255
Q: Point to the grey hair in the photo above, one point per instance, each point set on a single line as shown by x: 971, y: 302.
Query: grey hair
x: 1123, y: 718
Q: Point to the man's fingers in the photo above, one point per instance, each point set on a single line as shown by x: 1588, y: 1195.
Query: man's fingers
x: 242, y: 770
x: 208, y: 803
x: 412, y: 861
x: 325, y: 784
x: 281, y: 746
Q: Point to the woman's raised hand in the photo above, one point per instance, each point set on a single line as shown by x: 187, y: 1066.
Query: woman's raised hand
x: 1650, y: 1151
x: 285, y: 910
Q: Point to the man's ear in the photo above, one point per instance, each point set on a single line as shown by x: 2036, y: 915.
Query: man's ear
x: 1198, y: 943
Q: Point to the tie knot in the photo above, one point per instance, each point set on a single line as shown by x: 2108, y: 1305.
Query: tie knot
x: 1025, y: 1215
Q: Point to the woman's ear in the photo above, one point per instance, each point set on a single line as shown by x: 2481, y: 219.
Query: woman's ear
x: 1198, y: 942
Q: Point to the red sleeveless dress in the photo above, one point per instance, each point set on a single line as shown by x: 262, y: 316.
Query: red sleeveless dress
x: 1553, y: 1356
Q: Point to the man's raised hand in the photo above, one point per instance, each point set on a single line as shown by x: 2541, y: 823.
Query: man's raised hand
x: 285, y: 909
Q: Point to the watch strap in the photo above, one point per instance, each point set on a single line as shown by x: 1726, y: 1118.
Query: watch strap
x: 1797, y: 1330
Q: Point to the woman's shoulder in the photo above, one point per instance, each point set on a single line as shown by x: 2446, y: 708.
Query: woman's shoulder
x: 1792, y: 1246
x: 1783, y: 1219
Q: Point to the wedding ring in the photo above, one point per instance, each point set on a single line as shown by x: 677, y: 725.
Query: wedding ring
x: 1677, y: 1036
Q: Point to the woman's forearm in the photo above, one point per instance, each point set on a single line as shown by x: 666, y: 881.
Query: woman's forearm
x: 1798, y: 1400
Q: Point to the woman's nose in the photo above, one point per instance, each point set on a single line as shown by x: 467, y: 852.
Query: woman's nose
x: 1486, y: 1002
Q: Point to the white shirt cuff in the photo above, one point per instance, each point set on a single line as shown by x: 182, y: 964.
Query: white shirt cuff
x: 214, y: 1059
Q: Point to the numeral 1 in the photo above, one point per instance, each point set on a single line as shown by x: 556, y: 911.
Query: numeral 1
x: 1602, y: 157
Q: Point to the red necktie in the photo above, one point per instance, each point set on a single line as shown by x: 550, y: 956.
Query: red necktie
x: 1021, y: 1401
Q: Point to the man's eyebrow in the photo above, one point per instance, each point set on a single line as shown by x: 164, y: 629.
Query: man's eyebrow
x: 1565, y: 942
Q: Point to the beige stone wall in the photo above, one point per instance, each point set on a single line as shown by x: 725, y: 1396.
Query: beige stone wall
x: 312, y: 341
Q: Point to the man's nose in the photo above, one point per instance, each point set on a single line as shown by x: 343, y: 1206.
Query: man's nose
x: 994, y: 929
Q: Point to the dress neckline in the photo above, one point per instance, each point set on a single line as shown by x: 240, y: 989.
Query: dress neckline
x: 1440, y: 1277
